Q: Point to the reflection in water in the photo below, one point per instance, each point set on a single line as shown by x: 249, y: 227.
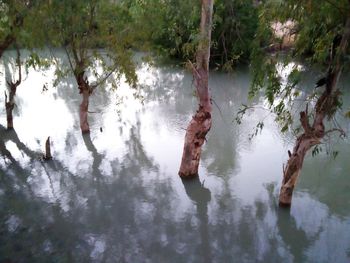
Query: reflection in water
x: 114, y: 196
x: 200, y: 196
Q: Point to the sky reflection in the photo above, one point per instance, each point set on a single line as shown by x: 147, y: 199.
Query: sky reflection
x: 115, y: 196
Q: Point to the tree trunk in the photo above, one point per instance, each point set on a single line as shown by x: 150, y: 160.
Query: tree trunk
x: 83, y: 111
x: 85, y: 90
x: 314, y: 134
x: 201, y: 121
x: 47, y: 155
x: 6, y: 43
x: 10, y: 104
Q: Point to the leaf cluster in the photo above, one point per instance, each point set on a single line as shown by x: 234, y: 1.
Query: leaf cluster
x: 276, y: 76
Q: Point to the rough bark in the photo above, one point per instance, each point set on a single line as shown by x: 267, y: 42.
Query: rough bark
x: 10, y: 103
x: 201, y: 122
x: 85, y: 90
x: 313, y: 134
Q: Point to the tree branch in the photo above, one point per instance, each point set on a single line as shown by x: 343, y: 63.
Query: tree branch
x: 304, y: 119
x: 99, y: 82
x: 69, y: 60
x: 341, y: 131
x: 193, y: 69
x: 19, y: 66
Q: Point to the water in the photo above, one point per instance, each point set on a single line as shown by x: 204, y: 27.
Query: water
x: 115, y: 196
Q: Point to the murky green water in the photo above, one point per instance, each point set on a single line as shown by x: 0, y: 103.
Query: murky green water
x: 115, y: 196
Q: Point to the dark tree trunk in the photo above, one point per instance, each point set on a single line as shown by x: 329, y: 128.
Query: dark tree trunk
x: 6, y: 43
x: 314, y: 134
x: 10, y: 103
x: 201, y: 121
x: 47, y: 155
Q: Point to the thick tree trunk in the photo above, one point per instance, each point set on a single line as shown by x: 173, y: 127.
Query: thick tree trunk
x: 83, y: 111
x: 201, y: 121
x: 85, y: 90
x: 314, y: 134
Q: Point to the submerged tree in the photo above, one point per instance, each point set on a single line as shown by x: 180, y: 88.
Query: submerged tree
x: 12, y: 85
x: 315, y: 132
x: 19, y: 29
x: 201, y: 121
x: 325, y: 45
x: 95, y: 34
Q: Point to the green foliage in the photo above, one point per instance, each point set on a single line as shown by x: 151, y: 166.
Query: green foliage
x: 169, y: 26
x: 173, y: 28
x: 21, y: 20
x: 316, y: 150
x: 94, y: 33
x: 235, y: 25
x: 276, y: 75
x: 258, y: 129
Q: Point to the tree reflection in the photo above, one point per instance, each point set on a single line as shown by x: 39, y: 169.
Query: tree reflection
x: 200, y: 196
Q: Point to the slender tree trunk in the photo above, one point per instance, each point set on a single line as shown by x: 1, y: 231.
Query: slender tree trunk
x: 9, y: 105
x: 201, y: 121
x: 314, y: 134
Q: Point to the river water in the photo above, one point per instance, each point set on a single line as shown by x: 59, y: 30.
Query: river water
x: 115, y: 196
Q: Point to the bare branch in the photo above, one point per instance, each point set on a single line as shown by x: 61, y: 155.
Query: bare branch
x: 341, y: 131
x: 193, y: 69
x: 99, y: 82
x: 19, y: 66
x: 69, y: 60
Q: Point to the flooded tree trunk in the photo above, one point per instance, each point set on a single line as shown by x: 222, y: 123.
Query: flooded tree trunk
x: 48, y: 155
x: 201, y: 121
x: 83, y: 111
x: 313, y: 134
x: 10, y: 103
x: 85, y: 90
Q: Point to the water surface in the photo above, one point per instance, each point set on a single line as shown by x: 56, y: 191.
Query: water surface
x: 115, y: 196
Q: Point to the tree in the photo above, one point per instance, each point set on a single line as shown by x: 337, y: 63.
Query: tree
x: 12, y: 85
x: 325, y: 45
x: 235, y: 24
x: 201, y: 121
x: 18, y: 28
x: 14, y: 21
x: 313, y: 134
x: 172, y: 31
x: 93, y: 33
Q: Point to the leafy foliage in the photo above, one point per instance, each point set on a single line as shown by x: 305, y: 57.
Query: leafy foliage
x: 94, y: 33
x: 173, y: 29
x: 316, y: 25
x: 235, y: 25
